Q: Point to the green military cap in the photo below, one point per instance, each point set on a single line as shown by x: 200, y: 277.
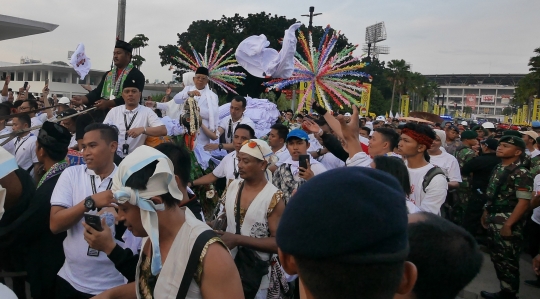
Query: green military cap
x: 512, y: 133
x: 513, y: 140
x: 469, y: 135
x: 477, y: 127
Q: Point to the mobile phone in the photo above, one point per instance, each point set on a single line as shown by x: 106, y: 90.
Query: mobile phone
x: 25, y: 85
x: 94, y: 221
x: 303, y: 161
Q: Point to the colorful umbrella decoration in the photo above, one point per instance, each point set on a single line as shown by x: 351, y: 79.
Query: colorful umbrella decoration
x: 327, y: 75
x: 218, y: 65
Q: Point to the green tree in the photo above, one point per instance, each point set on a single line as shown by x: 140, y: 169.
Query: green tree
x: 525, y: 90
x: 397, y: 74
x: 508, y: 111
x: 378, y: 103
x: 234, y: 30
x: 138, y: 42
x: 534, y: 64
x: 467, y: 110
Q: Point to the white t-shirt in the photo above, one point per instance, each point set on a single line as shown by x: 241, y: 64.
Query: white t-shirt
x: 4, y: 131
x: 224, y: 124
x: 449, y: 164
x: 536, y: 187
x: 315, y: 166
x: 73, y: 141
x: 24, y: 150
x: 282, y: 155
x: 227, y: 166
x: 142, y: 117
x: 330, y: 161
x: 535, y: 153
x: 87, y: 274
x: 435, y: 195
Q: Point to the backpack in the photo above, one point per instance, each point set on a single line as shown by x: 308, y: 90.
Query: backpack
x: 430, y: 175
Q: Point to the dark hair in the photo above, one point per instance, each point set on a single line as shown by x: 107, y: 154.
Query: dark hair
x: 424, y: 130
x: 376, y: 122
x: 367, y: 129
x: 246, y: 127
x: 289, y: 110
x: 299, y: 115
x: 140, y: 178
x: 397, y: 168
x: 240, y: 99
x: 25, y: 118
x: 17, y: 104
x: 33, y: 103
x: 108, y: 133
x: 5, y: 109
x: 282, y: 130
x: 180, y: 158
x: 330, y: 279
x: 389, y: 135
x: 435, y: 244
x: 58, y: 153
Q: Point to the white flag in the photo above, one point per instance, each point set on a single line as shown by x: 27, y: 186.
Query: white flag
x: 80, y: 62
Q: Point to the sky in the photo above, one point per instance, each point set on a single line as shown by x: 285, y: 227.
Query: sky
x: 434, y: 36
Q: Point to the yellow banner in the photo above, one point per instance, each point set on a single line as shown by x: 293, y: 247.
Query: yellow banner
x: 404, y: 106
x: 518, y: 116
x: 536, y: 110
x: 302, y: 91
x: 443, y: 111
x: 525, y: 115
x: 436, y: 109
x: 505, y: 119
x: 425, y: 106
x: 364, y: 100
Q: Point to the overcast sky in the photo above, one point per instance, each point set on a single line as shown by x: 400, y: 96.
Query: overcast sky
x: 434, y: 36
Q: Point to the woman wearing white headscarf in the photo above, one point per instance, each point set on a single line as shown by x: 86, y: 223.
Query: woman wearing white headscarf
x: 260, y: 207
x: 444, y: 160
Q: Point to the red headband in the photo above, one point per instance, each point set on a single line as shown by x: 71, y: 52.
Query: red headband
x: 420, y: 138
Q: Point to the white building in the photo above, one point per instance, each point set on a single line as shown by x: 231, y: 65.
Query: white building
x: 487, y: 94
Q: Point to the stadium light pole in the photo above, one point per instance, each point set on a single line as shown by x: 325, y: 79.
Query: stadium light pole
x: 311, y: 15
x: 121, y: 20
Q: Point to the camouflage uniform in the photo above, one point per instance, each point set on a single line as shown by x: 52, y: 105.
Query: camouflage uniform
x: 463, y: 155
x: 452, y: 146
x: 505, y: 251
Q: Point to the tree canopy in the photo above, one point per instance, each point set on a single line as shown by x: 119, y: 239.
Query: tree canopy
x: 138, y: 42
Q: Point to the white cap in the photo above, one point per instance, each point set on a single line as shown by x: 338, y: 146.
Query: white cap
x: 380, y: 117
x: 64, y: 100
x: 347, y: 114
x: 464, y: 123
x: 488, y: 125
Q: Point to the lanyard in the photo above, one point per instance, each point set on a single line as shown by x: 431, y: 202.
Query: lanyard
x: 93, y: 181
x: 16, y: 150
x: 130, y: 123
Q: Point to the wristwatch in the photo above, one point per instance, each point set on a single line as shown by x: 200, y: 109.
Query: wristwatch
x: 220, y: 146
x: 89, y: 203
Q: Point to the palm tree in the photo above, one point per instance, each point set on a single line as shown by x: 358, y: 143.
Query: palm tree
x: 534, y: 64
x: 138, y: 42
x: 399, y: 70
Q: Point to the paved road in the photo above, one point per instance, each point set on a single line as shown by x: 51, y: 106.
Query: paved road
x: 487, y: 280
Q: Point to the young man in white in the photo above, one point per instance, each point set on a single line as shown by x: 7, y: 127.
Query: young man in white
x: 31, y: 105
x: 23, y: 147
x: 83, y: 189
x: 414, y: 143
x: 134, y: 122
x: 276, y: 140
x: 530, y: 141
x: 448, y: 163
x: 228, y: 124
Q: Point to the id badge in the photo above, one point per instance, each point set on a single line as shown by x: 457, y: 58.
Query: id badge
x: 125, y: 149
x: 92, y: 252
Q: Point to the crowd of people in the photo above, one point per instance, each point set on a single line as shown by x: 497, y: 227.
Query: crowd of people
x: 325, y: 205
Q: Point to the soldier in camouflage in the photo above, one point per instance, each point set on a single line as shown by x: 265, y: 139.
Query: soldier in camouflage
x: 509, y: 192
x: 464, y: 154
x: 452, y: 139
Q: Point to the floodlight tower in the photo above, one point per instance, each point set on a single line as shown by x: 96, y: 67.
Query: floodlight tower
x: 311, y: 15
x: 375, y: 34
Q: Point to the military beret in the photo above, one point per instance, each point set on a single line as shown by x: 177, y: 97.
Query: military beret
x: 513, y: 140
x: 342, y: 215
x: 512, y: 133
x: 477, y: 127
x: 469, y: 135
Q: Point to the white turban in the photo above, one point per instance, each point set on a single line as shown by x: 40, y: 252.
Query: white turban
x: 161, y: 182
x: 259, y: 149
x: 8, y: 164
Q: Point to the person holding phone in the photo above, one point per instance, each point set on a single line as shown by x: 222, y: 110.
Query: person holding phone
x: 299, y: 167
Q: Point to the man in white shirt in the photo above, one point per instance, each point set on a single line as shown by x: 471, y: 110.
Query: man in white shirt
x: 228, y: 167
x: 383, y: 142
x: 4, y: 111
x: 23, y: 147
x: 276, y: 140
x: 31, y: 105
x: 134, y: 122
x: 228, y: 124
x: 71, y: 125
x: 448, y: 163
x: 79, y: 190
x: 530, y: 141
x: 415, y: 141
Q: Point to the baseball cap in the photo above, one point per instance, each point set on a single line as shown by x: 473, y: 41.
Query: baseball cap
x: 298, y: 134
x: 64, y: 100
x: 347, y: 114
x: 490, y: 143
x: 532, y: 134
x: 536, y: 124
